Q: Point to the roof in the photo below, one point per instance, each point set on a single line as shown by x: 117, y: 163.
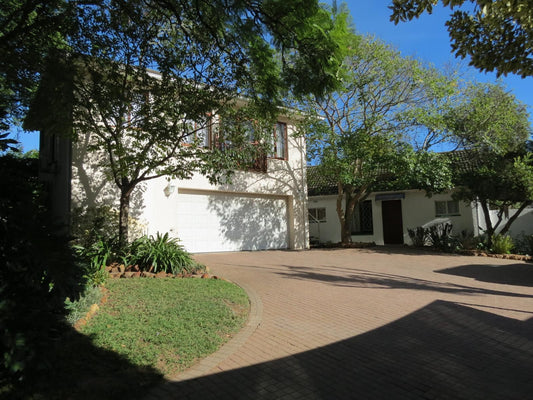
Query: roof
x: 319, y: 184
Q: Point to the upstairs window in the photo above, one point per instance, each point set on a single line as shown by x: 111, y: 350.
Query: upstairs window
x: 200, y: 131
x: 280, y: 142
x: 447, y: 208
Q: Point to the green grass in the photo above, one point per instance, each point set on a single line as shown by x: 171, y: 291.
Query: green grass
x: 167, y: 324
x: 78, y: 308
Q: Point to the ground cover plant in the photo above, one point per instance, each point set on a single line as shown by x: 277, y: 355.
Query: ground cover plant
x: 167, y: 324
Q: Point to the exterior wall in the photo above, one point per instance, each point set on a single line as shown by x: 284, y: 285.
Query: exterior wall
x: 328, y: 231
x: 152, y: 211
x: 522, y: 225
x: 55, y: 174
x: 417, y: 210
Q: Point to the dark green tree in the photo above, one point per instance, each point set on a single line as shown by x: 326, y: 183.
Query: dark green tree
x: 496, y: 35
x: 492, y: 129
x: 144, y: 75
x: 358, y: 137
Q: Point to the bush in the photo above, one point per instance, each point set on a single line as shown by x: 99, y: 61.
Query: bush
x: 440, y: 236
x: 96, y: 257
x: 418, y: 236
x: 78, y: 308
x: 465, y: 240
x: 91, y: 224
x: 524, y: 244
x: 502, y: 244
x: 161, y: 253
x: 37, y: 273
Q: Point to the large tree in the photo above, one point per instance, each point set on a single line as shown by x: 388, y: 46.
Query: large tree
x: 358, y: 138
x: 495, y: 167
x: 145, y: 76
x: 28, y: 30
x: 495, y: 34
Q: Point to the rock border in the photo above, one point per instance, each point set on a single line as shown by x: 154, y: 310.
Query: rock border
x: 116, y: 271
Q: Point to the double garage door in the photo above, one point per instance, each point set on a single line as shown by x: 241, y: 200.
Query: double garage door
x: 211, y: 222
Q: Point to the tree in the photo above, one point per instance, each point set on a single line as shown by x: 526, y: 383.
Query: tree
x: 496, y: 35
x: 205, y: 56
x: 492, y: 129
x: 28, y: 30
x: 498, y: 183
x: 358, y: 138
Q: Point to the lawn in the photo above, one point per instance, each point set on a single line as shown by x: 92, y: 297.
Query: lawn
x: 167, y: 324
x: 146, y: 328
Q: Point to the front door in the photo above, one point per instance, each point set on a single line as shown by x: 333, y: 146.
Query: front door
x: 391, y: 211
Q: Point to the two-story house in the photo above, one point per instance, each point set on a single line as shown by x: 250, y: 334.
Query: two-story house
x: 262, y: 208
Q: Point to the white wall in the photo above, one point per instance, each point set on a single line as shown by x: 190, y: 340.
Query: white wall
x: 523, y: 224
x: 154, y: 212
x: 417, y: 210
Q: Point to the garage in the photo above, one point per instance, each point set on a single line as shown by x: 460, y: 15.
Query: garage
x: 213, y: 221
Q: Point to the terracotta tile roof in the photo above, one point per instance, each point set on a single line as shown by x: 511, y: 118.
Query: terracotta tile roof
x: 319, y: 184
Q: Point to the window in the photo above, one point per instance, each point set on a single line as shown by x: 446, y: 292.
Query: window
x: 317, y: 215
x: 362, y: 222
x: 197, y: 131
x: 446, y: 208
x: 280, y: 141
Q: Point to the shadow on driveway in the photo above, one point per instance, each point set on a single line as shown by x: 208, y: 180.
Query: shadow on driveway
x: 514, y: 274
x: 360, y: 278
x: 442, y: 351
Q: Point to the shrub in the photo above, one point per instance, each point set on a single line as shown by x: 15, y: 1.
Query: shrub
x: 91, y: 224
x: 76, y: 309
x: 440, y: 237
x: 465, y: 240
x: 96, y: 257
x: 418, y: 236
x: 161, y: 253
x: 502, y: 244
x: 524, y: 244
x: 37, y: 274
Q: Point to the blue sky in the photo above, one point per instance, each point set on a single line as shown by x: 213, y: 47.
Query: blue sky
x: 425, y: 38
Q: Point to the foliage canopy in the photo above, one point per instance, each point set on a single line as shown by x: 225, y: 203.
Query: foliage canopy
x: 496, y: 35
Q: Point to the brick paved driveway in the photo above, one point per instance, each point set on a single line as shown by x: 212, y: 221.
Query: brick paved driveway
x: 371, y: 324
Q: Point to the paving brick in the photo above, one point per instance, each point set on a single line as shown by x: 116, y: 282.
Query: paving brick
x: 370, y: 323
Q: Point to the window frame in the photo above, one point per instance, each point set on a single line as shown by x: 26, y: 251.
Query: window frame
x: 274, y: 155
x: 447, y: 213
x: 368, y: 205
x: 316, y: 219
x: 207, y: 142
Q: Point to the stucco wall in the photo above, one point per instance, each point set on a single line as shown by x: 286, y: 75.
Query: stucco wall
x: 417, y: 210
x: 153, y: 211
x: 522, y: 225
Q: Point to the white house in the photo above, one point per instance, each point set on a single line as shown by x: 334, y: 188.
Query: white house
x: 385, y: 217
x: 258, y: 210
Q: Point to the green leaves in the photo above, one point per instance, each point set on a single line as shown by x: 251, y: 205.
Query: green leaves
x: 495, y: 35
x: 489, y: 119
x: 358, y: 136
x: 160, y: 253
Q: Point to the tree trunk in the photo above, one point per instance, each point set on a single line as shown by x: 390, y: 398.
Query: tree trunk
x: 345, y: 216
x: 510, y: 221
x: 124, y: 213
x: 488, y: 222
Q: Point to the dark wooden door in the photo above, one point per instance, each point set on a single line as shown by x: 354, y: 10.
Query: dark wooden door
x: 391, y: 211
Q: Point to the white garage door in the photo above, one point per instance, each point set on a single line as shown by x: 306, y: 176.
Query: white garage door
x: 209, y: 222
